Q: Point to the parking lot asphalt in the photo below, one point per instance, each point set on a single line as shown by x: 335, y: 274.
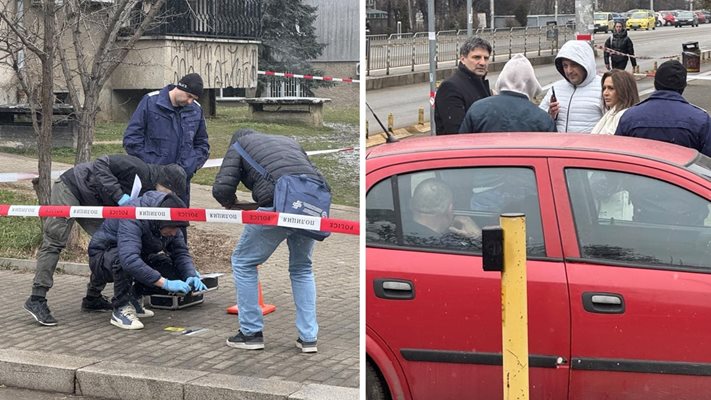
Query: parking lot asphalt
x: 85, y: 355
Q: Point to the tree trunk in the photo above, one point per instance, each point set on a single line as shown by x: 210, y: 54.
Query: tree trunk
x: 87, y: 126
x: 44, y: 142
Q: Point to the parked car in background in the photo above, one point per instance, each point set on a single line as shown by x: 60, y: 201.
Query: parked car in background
x: 701, y: 17
x: 686, y: 18
x: 620, y: 17
x: 618, y: 248
x: 669, y: 17
x: 642, y: 19
x: 707, y: 15
x: 660, y: 19
x: 603, y: 22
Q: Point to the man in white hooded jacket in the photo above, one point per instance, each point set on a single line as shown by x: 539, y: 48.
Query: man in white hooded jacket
x: 579, y: 106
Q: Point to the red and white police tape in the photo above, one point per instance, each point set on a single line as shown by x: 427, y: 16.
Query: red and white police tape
x: 308, y: 77
x: 6, y: 177
x: 186, y: 214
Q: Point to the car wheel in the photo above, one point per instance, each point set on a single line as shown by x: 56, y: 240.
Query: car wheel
x: 374, y: 384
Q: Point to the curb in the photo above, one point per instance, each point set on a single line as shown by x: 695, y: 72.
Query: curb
x: 17, y: 264
x: 122, y: 381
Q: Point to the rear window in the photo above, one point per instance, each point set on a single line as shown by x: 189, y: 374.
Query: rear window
x: 639, y: 15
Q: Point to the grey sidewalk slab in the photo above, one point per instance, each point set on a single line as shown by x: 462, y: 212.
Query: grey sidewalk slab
x: 40, y: 371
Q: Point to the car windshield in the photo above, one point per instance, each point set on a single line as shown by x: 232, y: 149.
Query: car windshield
x: 599, y: 16
x: 639, y: 15
x: 685, y: 14
x: 701, y: 166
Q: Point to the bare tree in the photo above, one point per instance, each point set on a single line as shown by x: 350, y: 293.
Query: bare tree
x: 92, y: 68
x: 39, y: 38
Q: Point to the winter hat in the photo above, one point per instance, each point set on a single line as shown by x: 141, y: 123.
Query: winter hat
x: 172, y: 201
x: 173, y: 177
x: 671, y: 75
x: 191, y: 83
x: 518, y: 76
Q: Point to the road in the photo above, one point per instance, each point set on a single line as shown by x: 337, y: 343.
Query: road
x: 404, y: 101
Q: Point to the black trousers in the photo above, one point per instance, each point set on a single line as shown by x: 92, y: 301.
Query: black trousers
x: 106, y: 267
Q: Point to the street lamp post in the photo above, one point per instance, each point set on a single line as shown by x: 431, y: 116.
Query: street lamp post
x: 433, y: 54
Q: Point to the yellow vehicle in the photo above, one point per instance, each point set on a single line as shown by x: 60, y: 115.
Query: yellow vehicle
x: 604, y: 22
x: 642, y: 19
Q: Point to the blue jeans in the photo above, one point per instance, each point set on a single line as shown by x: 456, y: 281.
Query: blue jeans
x: 255, y: 246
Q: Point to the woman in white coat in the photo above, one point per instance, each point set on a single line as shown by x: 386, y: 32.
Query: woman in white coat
x: 619, y: 92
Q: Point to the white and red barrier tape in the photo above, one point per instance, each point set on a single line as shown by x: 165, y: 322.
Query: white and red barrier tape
x: 6, y: 177
x: 308, y: 77
x: 186, y: 214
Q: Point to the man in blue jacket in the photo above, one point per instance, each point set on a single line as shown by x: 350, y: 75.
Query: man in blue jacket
x: 151, y: 253
x: 169, y: 127
x: 666, y: 115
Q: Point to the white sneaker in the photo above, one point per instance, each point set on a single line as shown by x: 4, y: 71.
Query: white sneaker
x: 141, y: 311
x: 125, y: 318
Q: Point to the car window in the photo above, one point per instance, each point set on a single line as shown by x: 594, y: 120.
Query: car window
x: 636, y: 219
x: 445, y: 209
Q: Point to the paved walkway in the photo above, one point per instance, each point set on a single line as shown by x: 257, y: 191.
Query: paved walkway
x: 86, y: 355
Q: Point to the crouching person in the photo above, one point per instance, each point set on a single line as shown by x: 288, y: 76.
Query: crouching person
x: 142, y: 257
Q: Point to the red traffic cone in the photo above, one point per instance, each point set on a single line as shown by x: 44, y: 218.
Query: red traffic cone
x: 266, y: 308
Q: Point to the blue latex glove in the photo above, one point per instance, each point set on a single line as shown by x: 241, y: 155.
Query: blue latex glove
x: 124, y: 199
x: 176, y: 286
x: 196, y: 284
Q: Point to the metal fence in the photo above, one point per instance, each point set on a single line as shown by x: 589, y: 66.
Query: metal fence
x: 228, y: 19
x: 411, y: 49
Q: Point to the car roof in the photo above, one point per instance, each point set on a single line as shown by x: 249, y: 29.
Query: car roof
x: 645, y: 148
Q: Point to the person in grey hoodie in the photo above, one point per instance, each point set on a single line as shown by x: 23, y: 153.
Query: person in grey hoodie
x: 511, y: 109
x: 577, y: 106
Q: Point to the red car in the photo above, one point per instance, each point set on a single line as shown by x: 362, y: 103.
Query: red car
x: 669, y: 17
x: 619, y: 267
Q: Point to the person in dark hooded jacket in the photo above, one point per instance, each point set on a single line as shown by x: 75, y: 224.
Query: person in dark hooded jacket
x: 278, y: 155
x: 619, y: 41
x: 106, y: 181
x: 152, y: 253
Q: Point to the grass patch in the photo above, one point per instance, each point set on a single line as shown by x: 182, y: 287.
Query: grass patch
x: 340, y: 130
x: 19, y: 236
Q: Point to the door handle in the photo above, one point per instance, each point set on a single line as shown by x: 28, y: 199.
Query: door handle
x: 394, y: 289
x: 603, y: 303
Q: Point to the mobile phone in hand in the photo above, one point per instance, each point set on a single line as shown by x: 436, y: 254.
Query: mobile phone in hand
x: 553, y: 98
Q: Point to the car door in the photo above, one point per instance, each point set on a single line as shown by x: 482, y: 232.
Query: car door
x: 433, y: 307
x: 637, y: 245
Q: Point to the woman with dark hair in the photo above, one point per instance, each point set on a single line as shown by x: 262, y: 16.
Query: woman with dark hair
x: 619, y: 92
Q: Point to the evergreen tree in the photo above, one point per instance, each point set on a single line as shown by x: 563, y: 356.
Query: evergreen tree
x: 289, y: 40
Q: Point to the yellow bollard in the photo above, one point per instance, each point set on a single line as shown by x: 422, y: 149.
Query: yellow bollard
x: 391, y: 121
x: 514, y: 307
x: 421, y: 116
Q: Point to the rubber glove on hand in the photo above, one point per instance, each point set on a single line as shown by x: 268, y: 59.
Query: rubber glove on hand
x: 176, y: 286
x: 124, y: 199
x: 196, y: 284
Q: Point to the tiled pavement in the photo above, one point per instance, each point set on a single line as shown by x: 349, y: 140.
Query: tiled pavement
x: 90, y: 335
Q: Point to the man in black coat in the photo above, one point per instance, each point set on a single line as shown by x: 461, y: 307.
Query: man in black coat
x: 107, y: 181
x: 458, y: 92
x: 619, y: 41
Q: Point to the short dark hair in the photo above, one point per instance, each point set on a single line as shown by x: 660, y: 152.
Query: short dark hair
x: 472, y: 43
x: 625, y: 87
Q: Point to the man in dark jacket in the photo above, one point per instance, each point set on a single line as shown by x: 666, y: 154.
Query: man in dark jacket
x: 107, y: 181
x: 151, y: 253
x: 168, y: 127
x: 279, y: 156
x: 665, y: 115
x: 619, y: 42
x: 511, y: 109
x: 457, y: 93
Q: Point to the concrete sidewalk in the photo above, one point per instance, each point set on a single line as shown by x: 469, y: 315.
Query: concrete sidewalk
x: 85, y: 355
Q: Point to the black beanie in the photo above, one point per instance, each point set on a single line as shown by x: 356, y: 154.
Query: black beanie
x: 671, y: 75
x: 191, y: 83
x: 172, y: 201
x: 173, y: 177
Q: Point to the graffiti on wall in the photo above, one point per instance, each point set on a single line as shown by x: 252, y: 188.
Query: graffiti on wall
x: 221, y: 65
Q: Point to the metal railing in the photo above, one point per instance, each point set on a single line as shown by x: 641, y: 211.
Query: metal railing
x: 227, y: 19
x: 384, y: 52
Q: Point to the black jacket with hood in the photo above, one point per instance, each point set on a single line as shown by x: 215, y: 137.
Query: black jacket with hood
x: 619, y: 41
